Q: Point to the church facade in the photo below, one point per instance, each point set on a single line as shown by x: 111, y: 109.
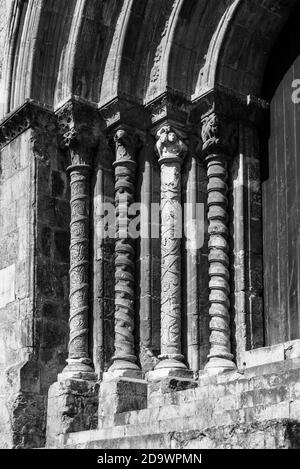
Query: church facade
x: 150, y: 224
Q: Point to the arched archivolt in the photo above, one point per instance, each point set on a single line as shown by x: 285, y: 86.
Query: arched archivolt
x: 101, y: 49
x: 55, y: 49
x: 138, y: 60
x: 199, y: 31
x: 248, y: 40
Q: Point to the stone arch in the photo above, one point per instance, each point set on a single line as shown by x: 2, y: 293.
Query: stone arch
x: 247, y: 43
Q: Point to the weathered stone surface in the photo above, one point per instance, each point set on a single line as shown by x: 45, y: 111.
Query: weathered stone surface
x: 151, y: 63
x: 121, y: 395
x: 72, y: 407
x: 280, y: 434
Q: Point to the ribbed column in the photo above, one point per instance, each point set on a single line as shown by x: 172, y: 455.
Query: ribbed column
x: 171, y: 151
x: 124, y: 360
x: 216, y: 148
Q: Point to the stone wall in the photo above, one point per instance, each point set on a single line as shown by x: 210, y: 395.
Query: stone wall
x: 34, y: 242
x: 16, y: 229
x: 255, y: 409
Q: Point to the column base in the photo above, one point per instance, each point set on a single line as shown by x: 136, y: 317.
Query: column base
x: 72, y: 407
x: 169, y: 375
x: 78, y: 370
x: 122, y: 368
x: 218, y: 365
x: 170, y: 367
x: 121, y: 395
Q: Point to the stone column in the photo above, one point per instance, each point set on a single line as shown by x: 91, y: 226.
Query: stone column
x: 76, y: 391
x: 124, y: 360
x: 217, y: 150
x: 79, y: 362
x: 171, y: 151
x: 123, y: 388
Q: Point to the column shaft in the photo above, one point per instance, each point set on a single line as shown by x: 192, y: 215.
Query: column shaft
x: 171, y: 151
x: 170, y: 261
x: 124, y: 360
x: 79, y: 362
x: 217, y: 152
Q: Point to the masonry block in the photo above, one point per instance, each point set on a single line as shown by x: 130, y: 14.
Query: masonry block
x: 121, y: 395
x: 72, y: 407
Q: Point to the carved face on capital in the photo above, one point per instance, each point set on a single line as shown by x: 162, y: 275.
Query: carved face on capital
x: 172, y: 137
x: 168, y: 143
x: 167, y: 134
x: 120, y: 135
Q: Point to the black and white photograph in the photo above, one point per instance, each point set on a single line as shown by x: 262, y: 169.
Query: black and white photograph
x: 149, y: 231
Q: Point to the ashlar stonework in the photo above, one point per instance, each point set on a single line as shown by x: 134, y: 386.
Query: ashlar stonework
x: 159, y: 341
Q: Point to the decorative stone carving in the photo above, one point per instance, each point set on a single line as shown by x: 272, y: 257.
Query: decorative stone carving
x: 30, y: 114
x: 218, y: 141
x: 171, y: 151
x: 124, y: 360
x: 79, y: 126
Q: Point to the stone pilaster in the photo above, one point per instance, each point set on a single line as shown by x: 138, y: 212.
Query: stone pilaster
x: 217, y: 149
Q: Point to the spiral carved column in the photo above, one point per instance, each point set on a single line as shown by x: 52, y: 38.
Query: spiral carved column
x: 124, y: 360
x: 171, y: 151
x: 79, y: 362
x: 217, y: 150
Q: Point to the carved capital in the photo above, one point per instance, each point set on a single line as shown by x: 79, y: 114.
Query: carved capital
x: 121, y: 110
x: 126, y: 143
x: 169, y: 145
x: 218, y: 135
x: 170, y: 106
x: 30, y: 115
x: 79, y: 129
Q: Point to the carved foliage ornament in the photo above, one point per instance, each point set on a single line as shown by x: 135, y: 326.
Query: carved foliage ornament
x: 30, y: 114
x: 80, y: 129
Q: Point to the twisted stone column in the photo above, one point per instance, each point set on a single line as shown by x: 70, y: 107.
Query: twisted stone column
x: 171, y: 151
x: 217, y: 151
x: 124, y: 360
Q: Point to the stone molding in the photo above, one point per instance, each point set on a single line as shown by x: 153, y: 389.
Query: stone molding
x: 122, y: 111
x: 230, y: 105
x: 29, y: 115
x: 79, y: 117
x: 172, y: 107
